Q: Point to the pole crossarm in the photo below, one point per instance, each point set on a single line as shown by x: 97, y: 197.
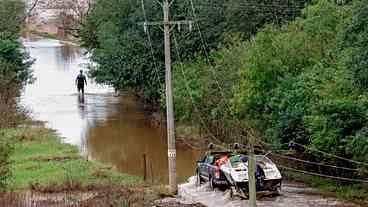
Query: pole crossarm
x: 188, y: 22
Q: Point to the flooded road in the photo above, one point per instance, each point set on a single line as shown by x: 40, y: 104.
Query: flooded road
x: 292, y: 195
x: 105, y: 127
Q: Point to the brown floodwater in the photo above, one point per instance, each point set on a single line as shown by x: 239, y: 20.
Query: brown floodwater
x: 105, y: 127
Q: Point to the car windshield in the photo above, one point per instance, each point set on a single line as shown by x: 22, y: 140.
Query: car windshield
x: 263, y: 161
x: 238, y: 161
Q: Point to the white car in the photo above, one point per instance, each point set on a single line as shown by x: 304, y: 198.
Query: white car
x: 268, y: 177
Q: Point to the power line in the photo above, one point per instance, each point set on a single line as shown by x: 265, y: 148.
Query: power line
x: 189, y: 91
x: 322, y: 175
x: 204, y: 47
x: 150, y: 44
x: 329, y: 154
x: 245, y: 3
x: 319, y: 151
x: 313, y: 163
x: 254, y: 5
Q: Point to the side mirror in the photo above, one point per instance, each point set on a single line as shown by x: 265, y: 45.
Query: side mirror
x: 211, y: 146
x: 236, y: 146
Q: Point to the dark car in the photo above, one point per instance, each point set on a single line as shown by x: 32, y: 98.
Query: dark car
x: 208, y: 170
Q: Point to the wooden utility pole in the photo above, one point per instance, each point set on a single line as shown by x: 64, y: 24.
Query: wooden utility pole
x: 169, y: 96
x: 251, y: 172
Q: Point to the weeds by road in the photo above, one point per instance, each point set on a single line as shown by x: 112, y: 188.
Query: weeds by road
x: 40, y: 161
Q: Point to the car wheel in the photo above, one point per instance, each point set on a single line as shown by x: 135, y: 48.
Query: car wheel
x: 231, y: 194
x: 198, y: 179
x: 277, y: 191
x: 212, y: 183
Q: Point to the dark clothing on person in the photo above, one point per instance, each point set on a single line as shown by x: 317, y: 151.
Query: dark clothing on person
x: 81, y: 80
x: 81, y: 88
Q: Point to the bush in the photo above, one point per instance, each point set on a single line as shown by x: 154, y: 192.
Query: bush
x: 5, y: 150
x: 14, y: 62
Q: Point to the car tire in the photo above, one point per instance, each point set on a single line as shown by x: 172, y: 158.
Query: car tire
x: 198, y: 179
x: 231, y: 194
x: 212, y: 183
x: 278, y: 190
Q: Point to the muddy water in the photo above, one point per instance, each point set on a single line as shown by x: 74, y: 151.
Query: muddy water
x: 292, y: 195
x: 105, y: 127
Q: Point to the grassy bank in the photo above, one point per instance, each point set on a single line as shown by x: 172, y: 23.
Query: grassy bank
x: 41, y: 162
x: 357, y: 193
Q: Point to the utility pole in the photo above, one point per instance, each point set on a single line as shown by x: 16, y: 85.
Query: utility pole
x: 251, y: 172
x: 169, y: 103
x: 173, y: 187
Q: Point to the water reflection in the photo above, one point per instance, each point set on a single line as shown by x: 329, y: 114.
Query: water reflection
x: 105, y: 127
x: 126, y: 137
x: 68, y: 55
x: 82, y: 106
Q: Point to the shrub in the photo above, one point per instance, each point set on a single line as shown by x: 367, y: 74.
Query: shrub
x: 5, y: 150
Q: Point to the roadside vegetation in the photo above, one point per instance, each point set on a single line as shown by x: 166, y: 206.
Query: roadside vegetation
x: 41, y: 162
x: 14, y: 73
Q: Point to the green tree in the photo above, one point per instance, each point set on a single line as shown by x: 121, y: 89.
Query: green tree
x: 202, y: 92
x: 11, y: 17
x: 295, y: 88
x: 120, y: 48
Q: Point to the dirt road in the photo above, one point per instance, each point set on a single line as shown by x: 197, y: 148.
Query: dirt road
x: 293, y: 195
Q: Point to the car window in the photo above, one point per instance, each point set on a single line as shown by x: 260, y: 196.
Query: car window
x: 202, y: 159
x: 210, y: 159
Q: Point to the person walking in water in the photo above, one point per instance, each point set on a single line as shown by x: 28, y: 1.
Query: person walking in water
x: 80, y: 81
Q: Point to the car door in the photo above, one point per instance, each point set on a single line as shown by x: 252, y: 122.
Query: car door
x: 201, y: 165
x: 208, y: 165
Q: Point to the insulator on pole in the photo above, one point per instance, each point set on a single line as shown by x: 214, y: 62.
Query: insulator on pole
x: 190, y: 26
x: 145, y: 27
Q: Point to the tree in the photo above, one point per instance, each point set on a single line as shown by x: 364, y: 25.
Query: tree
x: 14, y: 61
x: 11, y: 17
x: 121, y: 50
x: 298, y: 82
